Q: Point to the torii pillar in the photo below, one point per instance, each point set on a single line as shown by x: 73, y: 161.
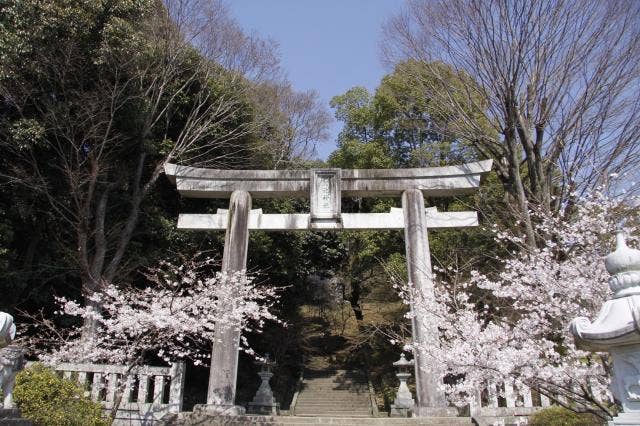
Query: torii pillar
x: 325, y: 187
x: 430, y: 396
x: 221, y: 394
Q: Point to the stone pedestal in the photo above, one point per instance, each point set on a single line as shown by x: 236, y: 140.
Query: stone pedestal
x: 625, y: 383
x: 218, y: 410
x: 12, y: 416
x: 429, y: 392
x: 224, y: 355
x: 403, y: 403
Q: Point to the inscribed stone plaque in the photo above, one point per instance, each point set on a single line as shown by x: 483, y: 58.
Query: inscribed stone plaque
x: 325, y: 194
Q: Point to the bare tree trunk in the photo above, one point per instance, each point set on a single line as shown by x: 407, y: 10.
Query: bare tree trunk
x: 132, y: 219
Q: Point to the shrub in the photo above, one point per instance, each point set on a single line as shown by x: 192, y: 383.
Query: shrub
x: 559, y: 416
x: 49, y: 400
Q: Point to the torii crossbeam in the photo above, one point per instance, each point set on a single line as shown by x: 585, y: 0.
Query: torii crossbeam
x: 325, y: 188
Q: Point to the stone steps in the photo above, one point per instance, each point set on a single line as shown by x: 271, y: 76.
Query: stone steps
x: 336, y: 387
x: 341, y: 421
x: 331, y: 394
x: 350, y: 402
x: 326, y: 408
x: 334, y: 383
x: 334, y: 394
x: 337, y: 406
x: 319, y: 410
x: 336, y: 415
x: 379, y: 421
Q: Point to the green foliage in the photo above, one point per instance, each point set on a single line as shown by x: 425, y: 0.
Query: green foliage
x: 79, y: 81
x: 404, y: 125
x: 405, y: 121
x: 49, y: 400
x: 559, y: 416
x: 396, y: 266
x: 26, y: 133
x: 356, y: 110
x: 104, y: 29
x: 354, y: 154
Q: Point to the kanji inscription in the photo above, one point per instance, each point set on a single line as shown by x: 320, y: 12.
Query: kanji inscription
x: 325, y: 194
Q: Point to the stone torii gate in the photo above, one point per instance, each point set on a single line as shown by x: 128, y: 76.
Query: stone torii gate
x: 325, y: 188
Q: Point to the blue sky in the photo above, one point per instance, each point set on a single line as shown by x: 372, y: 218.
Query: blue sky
x: 326, y: 45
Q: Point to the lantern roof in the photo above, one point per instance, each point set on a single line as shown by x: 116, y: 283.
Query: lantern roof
x: 618, y: 322
x: 402, y: 362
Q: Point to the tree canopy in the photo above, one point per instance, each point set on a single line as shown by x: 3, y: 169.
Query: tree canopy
x: 96, y: 98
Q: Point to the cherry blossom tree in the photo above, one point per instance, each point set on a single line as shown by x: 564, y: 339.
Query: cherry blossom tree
x: 173, y: 318
x: 514, y: 324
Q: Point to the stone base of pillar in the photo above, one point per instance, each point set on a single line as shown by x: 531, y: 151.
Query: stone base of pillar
x: 220, y: 410
x: 400, y: 411
x: 626, y: 419
x: 13, y: 416
x: 435, y: 411
x: 269, y: 410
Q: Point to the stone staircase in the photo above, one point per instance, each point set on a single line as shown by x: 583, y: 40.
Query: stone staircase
x: 306, y: 421
x: 338, y: 393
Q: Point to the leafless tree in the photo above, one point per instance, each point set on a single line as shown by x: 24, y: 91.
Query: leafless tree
x: 294, y: 122
x: 209, y: 26
x: 94, y: 175
x: 559, y: 85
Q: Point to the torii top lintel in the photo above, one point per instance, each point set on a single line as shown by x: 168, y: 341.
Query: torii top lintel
x: 195, y: 182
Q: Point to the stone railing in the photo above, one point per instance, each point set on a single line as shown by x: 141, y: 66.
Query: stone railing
x: 148, y: 393
x: 507, y: 400
x: 504, y: 399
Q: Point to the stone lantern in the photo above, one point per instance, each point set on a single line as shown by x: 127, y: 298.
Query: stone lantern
x: 617, y: 330
x: 11, y: 362
x: 264, y: 402
x: 404, y: 402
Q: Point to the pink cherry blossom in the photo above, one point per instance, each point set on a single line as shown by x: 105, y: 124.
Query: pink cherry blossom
x: 514, y: 324
x: 174, y: 318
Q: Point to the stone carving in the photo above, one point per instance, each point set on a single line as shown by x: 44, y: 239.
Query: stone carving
x: 616, y: 329
x: 11, y: 358
x: 325, y: 195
